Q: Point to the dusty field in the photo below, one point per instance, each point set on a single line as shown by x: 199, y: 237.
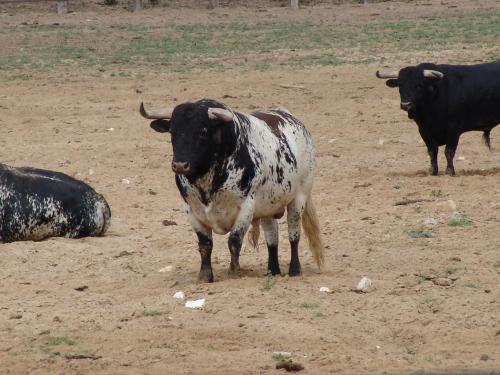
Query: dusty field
x: 123, y: 320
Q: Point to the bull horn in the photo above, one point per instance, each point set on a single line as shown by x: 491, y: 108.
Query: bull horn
x: 382, y: 74
x: 220, y: 114
x: 155, y: 115
x: 433, y: 74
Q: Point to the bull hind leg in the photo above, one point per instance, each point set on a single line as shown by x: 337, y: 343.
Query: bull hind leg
x: 270, y: 227
x: 294, y: 215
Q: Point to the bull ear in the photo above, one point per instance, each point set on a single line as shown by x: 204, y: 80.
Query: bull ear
x: 392, y: 83
x: 161, y: 126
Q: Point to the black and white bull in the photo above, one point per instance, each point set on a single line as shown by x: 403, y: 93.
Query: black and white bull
x: 233, y: 169
x: 448, y: 100
x: 36, y: 204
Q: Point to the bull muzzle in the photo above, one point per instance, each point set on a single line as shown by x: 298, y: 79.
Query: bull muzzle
x: 182, y: 167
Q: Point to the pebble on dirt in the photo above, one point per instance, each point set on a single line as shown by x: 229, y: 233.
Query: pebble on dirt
x: 365, y: 285
x: 325, y: 289
x: 179, y: 295
x: 166, y: 269
x: 442, y: 281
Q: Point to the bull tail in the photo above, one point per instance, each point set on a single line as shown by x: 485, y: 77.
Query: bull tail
x: 486, y: 138
x: 310, y: 224
x: 254, y: 234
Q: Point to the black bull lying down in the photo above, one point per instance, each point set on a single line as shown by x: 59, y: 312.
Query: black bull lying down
x: 448, y: 100
x: 234, y: 169
x: 36, y: 204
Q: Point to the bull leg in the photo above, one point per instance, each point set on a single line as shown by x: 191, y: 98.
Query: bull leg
x: 270, y: 227
x: 238, y: 232
x: 449, y: 151
x: 294, y: 215
x: 205, y: 245
x: 432, y: 149
x: 433, y: 154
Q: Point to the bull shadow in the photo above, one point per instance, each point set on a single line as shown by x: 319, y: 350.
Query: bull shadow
x: 459, y: 173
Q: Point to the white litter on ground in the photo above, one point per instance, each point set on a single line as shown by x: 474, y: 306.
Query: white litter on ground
x: 179, y: 295
x: 195, y: 304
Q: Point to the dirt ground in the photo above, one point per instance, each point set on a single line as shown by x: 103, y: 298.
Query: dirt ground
x: 101, y: 305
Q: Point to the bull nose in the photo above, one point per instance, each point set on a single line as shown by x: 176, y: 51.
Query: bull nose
x: 405, y: 106
x: 181, y: 167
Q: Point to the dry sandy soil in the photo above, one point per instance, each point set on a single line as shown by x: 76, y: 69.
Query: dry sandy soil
x: 100, y: 305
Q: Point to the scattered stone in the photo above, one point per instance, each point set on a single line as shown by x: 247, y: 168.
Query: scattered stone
x: 125, y: 181
x: 456, y: 259
x: 110, y: 129
x: 179, y: 295
x: 91, y: 172
x: 195, y: 304
x: 325, y: 289
x: 81, y: 288
x: 289, y: 366
x: 166, y: 269
x: 442, y: 281
x: 365, y: 285
x: 167, y: 222
x: 124, y: 253
x: 16, y: 316
x: 461, y: 158
x: 487, y: 291
x: 57, y: 319
x: 430, y: 221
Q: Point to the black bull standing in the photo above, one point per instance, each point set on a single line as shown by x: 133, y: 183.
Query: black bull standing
x: 36, y: 204
x: 448, y: 100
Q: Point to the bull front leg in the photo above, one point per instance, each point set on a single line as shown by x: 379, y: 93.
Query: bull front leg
x: 238, y: 232
x: 205, y: 245
x: 432, y: 149
x: 449, y: 151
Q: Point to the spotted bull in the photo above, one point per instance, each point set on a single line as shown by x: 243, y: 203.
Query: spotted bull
x: 448, y: 100
x: 234, y: 169
x: 36, y: 204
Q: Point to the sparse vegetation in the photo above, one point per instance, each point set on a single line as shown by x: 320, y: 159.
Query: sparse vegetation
x: 420, y: 232
x: 269, y: 282
x: 54, y: 341
x: 308, y: 305
x: 222, y: 45
x: 462, y: 221
x: 451, y: 270
x: 485, y: 357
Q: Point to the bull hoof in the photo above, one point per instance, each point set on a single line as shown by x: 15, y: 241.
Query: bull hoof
x: 206, y: 276
x: 234, y: 272
x: 294, y: 271
x: 450, y: 171
x: 433, y: 172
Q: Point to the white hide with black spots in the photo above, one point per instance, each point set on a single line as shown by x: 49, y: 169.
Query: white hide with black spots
x: 276, y: 184
x: 36, y: 204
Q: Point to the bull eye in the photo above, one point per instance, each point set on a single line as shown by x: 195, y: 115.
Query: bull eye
x: 204, y: 131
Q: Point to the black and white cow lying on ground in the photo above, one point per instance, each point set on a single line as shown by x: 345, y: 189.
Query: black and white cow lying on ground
x: 36, y: 204
x: 448, y: 100
x: 233, y: 169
